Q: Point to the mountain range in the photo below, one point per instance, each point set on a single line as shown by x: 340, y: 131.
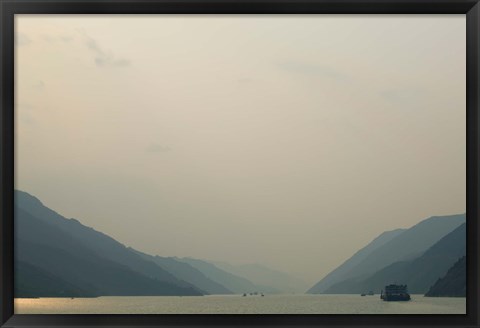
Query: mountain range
x: 187, y: 272
x: 90, y: 261
x: 269, y: 280
x: 417, y: 256
x: 348, y: 267
x: 60, y: 257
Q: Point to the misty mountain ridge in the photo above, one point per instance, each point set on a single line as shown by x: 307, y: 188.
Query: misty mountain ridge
x: 231, y: 281
x: 186, y: 272
x: 56, y: 255
x: 60, y: 257
x: 403, y: 245
x: 191, y: 276
x: 88, y: 259
x: 274, y: 281
x: 419, y: 274
x: 344, y: 269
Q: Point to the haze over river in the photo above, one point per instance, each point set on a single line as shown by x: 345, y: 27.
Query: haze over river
x: 236, y: 304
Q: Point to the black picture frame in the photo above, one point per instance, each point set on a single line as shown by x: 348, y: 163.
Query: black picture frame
x: 9, y: 8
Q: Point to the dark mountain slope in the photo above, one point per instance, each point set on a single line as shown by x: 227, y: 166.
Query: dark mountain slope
x: 454, y: 284
x: 88, y: 260
x: 51, y: 250
x: 419, y: 274
x: 98, y: 242
x: 406, y: 246
x: 31, y: 281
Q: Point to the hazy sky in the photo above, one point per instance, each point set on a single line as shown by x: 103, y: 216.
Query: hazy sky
x: 290, y: 141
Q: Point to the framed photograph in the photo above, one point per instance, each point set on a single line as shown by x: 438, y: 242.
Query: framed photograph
x: 234, y: 163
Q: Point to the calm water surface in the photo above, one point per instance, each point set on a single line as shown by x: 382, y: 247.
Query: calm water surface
x: 236, y: 304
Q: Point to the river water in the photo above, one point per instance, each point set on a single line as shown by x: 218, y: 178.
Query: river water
x: 236, y: 304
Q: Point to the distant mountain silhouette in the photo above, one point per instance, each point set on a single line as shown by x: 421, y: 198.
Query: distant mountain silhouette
x: 186, y: 272
x: 405, y: 246
x: 453, y: 284
x: 419, y: 274
x: 233, y: 282
x: 91, y: 263
x: 343, y: 270
x: 269, y: 280
x: 59, y: 257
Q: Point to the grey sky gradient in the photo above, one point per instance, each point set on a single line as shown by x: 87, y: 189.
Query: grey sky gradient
x: 290, y: 141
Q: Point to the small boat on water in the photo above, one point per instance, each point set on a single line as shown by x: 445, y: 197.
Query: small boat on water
x: 244, y: 295
x: 395, y: 293
x: 363, y: 294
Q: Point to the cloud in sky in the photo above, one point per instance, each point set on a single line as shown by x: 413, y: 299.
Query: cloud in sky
x: 403, y: 96
x: 27, y: 111
x: 245, y: 80
x: 157, y: 148
x: 312, y: 70
x: 26, y: 106
x: 22, y: 39
x: 62, y: 38
x: 103, y: 58
x: 38, y: 85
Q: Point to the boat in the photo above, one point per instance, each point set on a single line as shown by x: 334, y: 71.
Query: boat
x: 395, y: 293
x: 363, y: 294
x: 244, y: 295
